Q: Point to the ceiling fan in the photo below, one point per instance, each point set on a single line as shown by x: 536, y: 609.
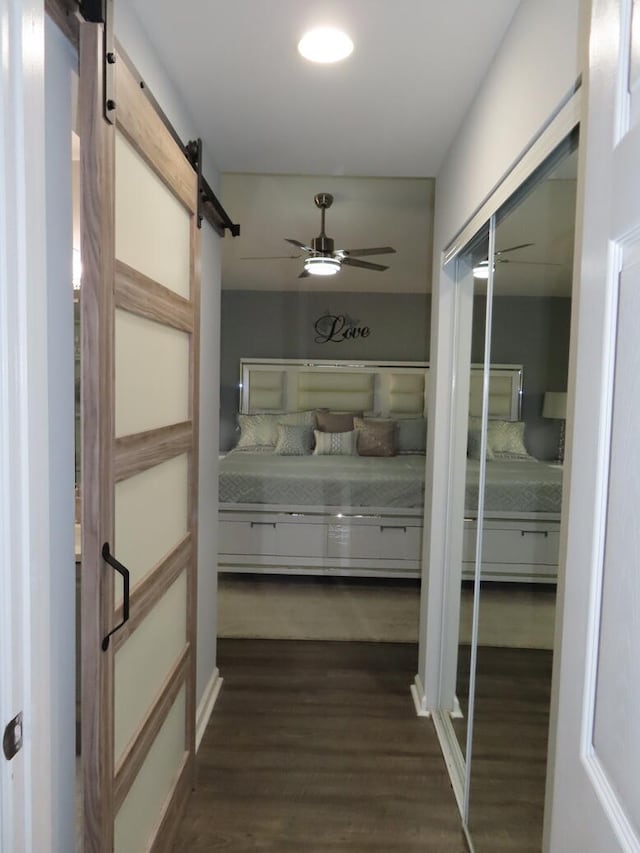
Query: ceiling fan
x: 481, y: 269
x: 323, y: 258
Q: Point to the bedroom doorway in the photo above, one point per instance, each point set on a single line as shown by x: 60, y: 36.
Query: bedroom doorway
x: 515, y: 279
x: 357, y: 317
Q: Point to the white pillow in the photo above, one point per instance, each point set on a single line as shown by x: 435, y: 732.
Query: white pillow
x: 505, y: 440
x: 335, y: 443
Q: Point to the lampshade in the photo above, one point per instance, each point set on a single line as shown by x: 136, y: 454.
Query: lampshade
x: 555, y: 405
x: 320, y: 265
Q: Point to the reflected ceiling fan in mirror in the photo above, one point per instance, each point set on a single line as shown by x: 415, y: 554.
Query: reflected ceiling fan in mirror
x: 481, y: 270
x: 323, y: 258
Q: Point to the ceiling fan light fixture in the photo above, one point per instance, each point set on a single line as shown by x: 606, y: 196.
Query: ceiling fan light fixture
x: 321, y: 266
x: 325, y: 44
x: 482, y: 270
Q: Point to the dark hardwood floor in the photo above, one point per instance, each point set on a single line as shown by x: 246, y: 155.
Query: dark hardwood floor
x: 510, y: 733
x: 314, y: 747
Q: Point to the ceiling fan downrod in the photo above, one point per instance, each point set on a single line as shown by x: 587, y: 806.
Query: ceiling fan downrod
x: 322, y: 244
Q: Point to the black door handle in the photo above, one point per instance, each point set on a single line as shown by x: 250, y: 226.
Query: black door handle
x: 108, y: 557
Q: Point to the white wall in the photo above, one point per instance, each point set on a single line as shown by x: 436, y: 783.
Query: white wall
x: 532, y: 74
x: 60, y: 65
x: 536, y: 66
x: 208, y: 468
x: 133, y: 39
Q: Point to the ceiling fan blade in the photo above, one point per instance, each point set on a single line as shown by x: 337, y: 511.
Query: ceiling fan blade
x: 304, y: 274
x: 376, y: 250
x: 270, y: 257
x: 365, y: 265
x: 529, y: 263
x: 513, y: 248
x: 299, y: 244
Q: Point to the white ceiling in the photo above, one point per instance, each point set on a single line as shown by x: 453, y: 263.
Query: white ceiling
x: 391, y: 109
x: 371, y: 128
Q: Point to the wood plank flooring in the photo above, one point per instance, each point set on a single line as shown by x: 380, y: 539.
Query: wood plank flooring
x: 510, y: 733
x: 314, y: 747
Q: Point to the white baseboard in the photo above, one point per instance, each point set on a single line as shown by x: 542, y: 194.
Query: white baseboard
x: 456, y: 714
x: 206, y: 704
x: 417, y: 693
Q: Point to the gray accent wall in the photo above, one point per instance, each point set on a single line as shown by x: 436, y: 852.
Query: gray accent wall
x: 532, y: 331
x: 278, y: 324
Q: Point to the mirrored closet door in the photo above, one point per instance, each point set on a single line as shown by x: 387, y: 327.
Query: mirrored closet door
x: 518, y: 363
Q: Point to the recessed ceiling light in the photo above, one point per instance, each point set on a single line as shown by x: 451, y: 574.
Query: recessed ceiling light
x: 325, y: 44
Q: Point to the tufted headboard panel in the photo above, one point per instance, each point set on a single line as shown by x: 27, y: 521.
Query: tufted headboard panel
x: 385, y: 389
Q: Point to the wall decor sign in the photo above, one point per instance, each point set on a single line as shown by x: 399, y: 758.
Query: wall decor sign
x: 336, y: 328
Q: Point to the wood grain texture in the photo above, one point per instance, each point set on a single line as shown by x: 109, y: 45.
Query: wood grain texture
x: 137, y: 750
x: 98, y: 240
x: 140, y: 123
x: 141, y: 295
x: 172, y: 810
x: 510, y: 733
x: 151, y: 588
x: 137, y: 452
x: 316, y: 747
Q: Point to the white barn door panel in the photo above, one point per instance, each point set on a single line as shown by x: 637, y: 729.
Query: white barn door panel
x: 594, y: 793
x: 140, y: 319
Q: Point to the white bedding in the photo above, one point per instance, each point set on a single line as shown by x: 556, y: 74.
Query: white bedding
x: 358, y: 481
x: 522, y: 485
x: 263, y: 477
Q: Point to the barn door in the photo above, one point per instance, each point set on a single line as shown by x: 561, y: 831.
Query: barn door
x: 594, y: 791
x: 140, y: 317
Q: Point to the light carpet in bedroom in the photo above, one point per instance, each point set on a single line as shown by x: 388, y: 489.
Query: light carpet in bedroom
x: 251, y: 606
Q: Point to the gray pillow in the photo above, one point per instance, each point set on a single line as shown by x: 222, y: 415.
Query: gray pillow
x: 294, y: 440
x: 411, y: 435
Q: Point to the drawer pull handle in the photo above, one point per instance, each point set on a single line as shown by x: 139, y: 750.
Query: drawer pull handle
x: 384, y: 527
x: 544, y: 533
x: 263, y: 524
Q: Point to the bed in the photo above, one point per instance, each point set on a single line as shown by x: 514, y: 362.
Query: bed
x: 363, y: 515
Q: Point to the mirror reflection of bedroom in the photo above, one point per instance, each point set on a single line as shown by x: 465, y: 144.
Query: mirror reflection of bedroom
x: 513, y: 491
x: 323, y: 410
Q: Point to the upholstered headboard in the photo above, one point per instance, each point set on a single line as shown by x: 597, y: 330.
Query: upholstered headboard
x: 289, y: 385
x: 386, y: 389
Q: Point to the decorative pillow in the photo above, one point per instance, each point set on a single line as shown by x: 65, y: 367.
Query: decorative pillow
x: 411, y: 435
x: 375, y: 437
x: 473, y: 445
x: 257, y: 430
x: 335, y: 421
x: 294, y: 440
x: 505, y: 439
x: 335, y: 443
x: 262, y: 429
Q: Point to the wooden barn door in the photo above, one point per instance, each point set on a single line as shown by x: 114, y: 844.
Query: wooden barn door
x: 140, y: 319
